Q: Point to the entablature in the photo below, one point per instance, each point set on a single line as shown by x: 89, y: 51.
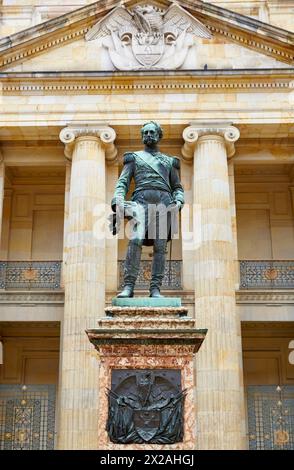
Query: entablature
x: 55, y: 83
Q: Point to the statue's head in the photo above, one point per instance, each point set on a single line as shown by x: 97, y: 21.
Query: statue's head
x: 151, y: 133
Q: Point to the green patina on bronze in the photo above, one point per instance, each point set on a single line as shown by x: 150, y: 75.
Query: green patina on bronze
x: 146, y: 406
x: 158, y: 196
x: 147, y: 302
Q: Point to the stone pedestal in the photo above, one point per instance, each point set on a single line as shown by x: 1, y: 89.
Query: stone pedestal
x: 145, y: 338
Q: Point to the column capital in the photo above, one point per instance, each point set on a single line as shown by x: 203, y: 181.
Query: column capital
x: 101, y: 131
x: 192, y: 134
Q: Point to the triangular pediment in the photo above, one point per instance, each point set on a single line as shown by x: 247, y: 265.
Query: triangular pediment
x: 135, y: 36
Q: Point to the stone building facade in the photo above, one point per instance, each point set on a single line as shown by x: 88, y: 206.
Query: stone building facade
x: 77, y: 82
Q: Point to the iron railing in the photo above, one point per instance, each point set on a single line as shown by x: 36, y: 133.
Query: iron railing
x: 260, y: 274
x: 30, y: 274
x: 254, y: 274
x: 172, y: 276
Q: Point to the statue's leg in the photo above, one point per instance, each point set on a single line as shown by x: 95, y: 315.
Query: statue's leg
x: 158, y: 266
x: 131, y: 267
x: 132, y: 263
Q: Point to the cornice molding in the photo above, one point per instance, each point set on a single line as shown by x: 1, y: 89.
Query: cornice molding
x: 75, y: 17
x: 140, y: 87
x: 242, y: 297
x: 258, y: 46
x: 238, y: 19
x: 105, y: 133
x: 194, y: 132
x: 265, y: 297
x: 31, y: 297
x: 42, y: 46
x: 92, y: 82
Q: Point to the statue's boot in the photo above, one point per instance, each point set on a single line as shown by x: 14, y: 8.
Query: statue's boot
x: 128, y: 291
x: 131, y: 269
x: 155, y: 292
x: 158, y: 267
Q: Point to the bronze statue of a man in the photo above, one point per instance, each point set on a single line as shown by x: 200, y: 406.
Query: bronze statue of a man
x: 157, y: 186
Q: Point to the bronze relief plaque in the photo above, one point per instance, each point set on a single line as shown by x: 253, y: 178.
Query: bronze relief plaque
x: 146, y: 406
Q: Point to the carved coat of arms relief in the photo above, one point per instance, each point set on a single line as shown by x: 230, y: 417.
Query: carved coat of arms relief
x: 147, y: 37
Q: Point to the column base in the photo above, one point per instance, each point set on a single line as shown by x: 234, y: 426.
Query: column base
x: 153, y: 344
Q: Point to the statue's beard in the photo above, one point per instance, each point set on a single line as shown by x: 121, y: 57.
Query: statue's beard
x: 150, y: 141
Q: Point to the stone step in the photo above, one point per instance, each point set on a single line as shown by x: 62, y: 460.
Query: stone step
x: 146, y: 323
x: 135, y: 312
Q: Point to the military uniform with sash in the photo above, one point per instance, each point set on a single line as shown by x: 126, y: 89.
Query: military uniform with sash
x: 157, y: 183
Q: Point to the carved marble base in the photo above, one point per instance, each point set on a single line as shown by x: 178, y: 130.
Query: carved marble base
x: 147, y: 338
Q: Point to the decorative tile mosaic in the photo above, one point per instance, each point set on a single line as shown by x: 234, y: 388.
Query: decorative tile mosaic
x: 265, y: 431
x: 27, y: 418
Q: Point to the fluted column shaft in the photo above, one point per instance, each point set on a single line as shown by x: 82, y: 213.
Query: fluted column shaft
x: 84, y: 286
x: 220, y: 402
x: 231, y: 173
x: 2, y: 177
x: 66, y: 214
x: 111, y: 242
x: 187, y: 228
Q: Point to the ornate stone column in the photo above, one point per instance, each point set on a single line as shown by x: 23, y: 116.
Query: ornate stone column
x: 231, y: 173
x: 187, y: 228
x: 84, y: 284
x: 111, y: 242
x: 220, y: 401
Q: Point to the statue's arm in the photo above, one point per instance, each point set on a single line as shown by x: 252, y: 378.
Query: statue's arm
x: 176, y: 185
x: 123, y: 183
